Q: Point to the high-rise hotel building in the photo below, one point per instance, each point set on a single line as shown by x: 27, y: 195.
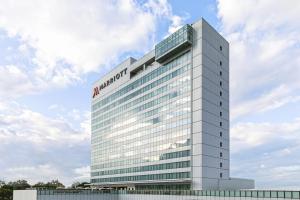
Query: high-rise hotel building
x: 162, y: 121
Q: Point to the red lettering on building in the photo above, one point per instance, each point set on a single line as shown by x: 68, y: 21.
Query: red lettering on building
x: 96, y: 91
x: 108, y: 82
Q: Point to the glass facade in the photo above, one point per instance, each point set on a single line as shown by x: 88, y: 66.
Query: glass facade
x: 183, y: 36
x: 142, y: 131
x: 144, y: 168
x: 148, y: 177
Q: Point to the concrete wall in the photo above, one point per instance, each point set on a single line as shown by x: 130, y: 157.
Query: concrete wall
x: 197, y: 96
x: 212, y: 57
x: 25, y: 195
x: 207, y: 112
x: 34, y: 195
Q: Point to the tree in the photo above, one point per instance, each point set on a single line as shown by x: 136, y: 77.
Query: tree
x: 6, y: 190
x: 2, y: 183
x: 39, y: 185
x: 54, y: 184
x: 19, y: 185
x: 6, y: 194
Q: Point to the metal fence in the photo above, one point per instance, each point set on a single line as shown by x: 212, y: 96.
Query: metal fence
x: 212, y: 193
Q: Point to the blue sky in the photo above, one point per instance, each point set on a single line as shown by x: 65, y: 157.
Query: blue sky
x: 52, y: 51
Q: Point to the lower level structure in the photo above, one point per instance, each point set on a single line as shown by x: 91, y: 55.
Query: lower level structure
x: 154, y: 195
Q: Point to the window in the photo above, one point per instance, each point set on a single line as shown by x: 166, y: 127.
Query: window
x: 221, y: 175
x: 156, y: 120
x: 221, y: 164
x: 221, y: 83
x: 221, y: 144
x: 220, y: 123
x: 295, y: 195
x: 220, y: 93
x: 220, y: 73
x: 221, y: 133
x: 260, y: 194
x: 179, y: 37
x: 220, y: 103
x: 221, y: 63
x: 221, y: 154
x: 221, y: 114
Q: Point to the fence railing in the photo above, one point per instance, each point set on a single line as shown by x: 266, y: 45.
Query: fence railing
x: 216, y: 193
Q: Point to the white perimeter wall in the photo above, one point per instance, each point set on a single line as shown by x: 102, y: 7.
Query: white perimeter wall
x: 32, y: 195
x: 25, y: 195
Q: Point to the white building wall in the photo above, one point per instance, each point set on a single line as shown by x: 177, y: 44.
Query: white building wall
x: 210, y: 118
x: 197, y: 96
x: 25, y: 195
x: 206, y: 107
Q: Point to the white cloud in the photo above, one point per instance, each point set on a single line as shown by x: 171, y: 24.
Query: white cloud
x: 86, y: 122
x: 236, y: 14
x: 53, y: 107
x: 82, y: 173
x: 69, y: 40
x: 285, y: 152
x: 15, y: 82
x: 54, y: 44
x: 275, y: 98
x: 75, y: 114
x: 249, y: 135
x: 46, y: 173
x: 48, y: 148
x: 81, y: 35
x: 280, y: 176
x: 265, y: 44
x: 286, y: 172
x: 162, y: 8
x: 264, y: 75
x: 177, y: 22
x: 34, y: 174
x: 18, y: 123
x: 275, y: 172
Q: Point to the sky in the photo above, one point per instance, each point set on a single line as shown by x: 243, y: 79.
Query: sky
x: 52, y: 51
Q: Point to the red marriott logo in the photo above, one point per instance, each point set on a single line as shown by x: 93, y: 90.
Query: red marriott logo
x: 97, y: 89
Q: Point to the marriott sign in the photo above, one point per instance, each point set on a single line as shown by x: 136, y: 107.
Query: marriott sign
x: 97, y: 89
